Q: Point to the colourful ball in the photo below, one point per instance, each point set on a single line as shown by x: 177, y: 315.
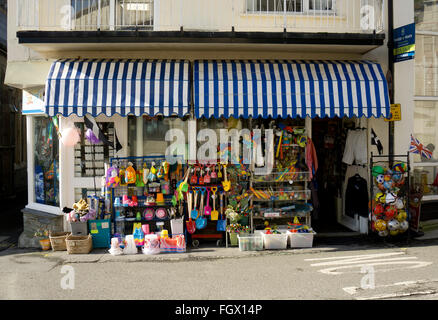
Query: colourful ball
x: 402, y: 216
x: 400, y: 167
x: 378, y: 209
x: 380, y: 197
x: 383, y: 233
x: 377, y: 170
x: 393, y: 225
x: 390, y: 213
x: 394, y: 232
x: 380, y: 178
x: 403, y: 226
x: 380, y: 225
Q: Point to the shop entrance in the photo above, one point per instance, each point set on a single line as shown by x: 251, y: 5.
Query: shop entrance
x: 329, y: 138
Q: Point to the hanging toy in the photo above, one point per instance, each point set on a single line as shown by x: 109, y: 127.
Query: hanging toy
x: 122, y: 177
x: 152, y: 173
x: 145, y: 173
x: 112, y: 177
x: 130, y: 174
x: 139, y: 181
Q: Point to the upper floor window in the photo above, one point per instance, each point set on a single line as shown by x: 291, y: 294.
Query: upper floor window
x: 291, y: 5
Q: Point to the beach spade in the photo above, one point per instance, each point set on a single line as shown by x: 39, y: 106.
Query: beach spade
x: 214, y: 213
x: 183, y: 186
x: 191, y: 225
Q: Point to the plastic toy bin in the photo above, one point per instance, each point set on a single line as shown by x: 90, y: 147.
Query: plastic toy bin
x: 300, y: 240
x: 250, y: 242
x: 100, y: 231
x: 275, y: 241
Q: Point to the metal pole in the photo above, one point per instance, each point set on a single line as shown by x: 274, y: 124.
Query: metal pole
x: 391, y: 69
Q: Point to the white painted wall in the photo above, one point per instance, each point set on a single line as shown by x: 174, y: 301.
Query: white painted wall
x: 404, y: 84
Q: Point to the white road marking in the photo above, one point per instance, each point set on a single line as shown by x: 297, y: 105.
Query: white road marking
x: 356, y: 290
x: 359, y: 261
x: 399, y: 295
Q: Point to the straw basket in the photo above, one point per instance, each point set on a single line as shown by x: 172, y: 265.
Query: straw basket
x: 57, y: 240
x: 79, y: 244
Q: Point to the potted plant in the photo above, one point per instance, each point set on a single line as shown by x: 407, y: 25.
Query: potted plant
x: 43, y: 235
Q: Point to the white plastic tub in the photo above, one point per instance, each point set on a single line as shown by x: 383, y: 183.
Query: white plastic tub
x: 300, y: 240
x: 275, y: 241
x: 250, y: 242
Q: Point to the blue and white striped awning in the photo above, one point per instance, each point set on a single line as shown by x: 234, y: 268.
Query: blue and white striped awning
x: 289, y: 89
x: 122, y: 87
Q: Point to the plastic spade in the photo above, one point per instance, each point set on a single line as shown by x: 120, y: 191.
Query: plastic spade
x: 194, y: 212
x: 207, y: 210
x: 214, y: 213
x: 226, y: 183
x: 207, y: 177
x: 201, y: 222
x: 191, y: 225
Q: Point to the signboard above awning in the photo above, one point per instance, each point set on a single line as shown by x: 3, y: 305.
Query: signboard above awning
x: 282, y: 89
x: 125, y: 87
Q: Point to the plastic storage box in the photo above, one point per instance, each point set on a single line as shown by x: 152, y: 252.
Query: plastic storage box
x: 250, y: 242
x: 100, y: 231
x: 79, y: 228
x: 300, y: 240
x: 275, y: 241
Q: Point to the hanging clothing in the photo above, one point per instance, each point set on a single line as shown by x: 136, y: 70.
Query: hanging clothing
x: 356, y: 147
x: 311, y: 158
x: 356, y: 197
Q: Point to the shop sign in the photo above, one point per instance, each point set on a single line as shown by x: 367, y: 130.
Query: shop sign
x: 33, y: 101
x: 395, y: 113
x: 404, y: 43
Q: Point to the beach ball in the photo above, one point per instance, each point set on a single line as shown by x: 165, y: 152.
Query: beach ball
x: 378, y: 209
x: 387, y: 185
x: 390, y: 198
x: 380, y: 178
x: 380, y: 225
x: 393, y: 225
x: 402, y: 216
x: 383, y: 233
x: 403, y: 226
x: 380, y: 197
x: 377, y: 170
x: 390, y: 213
x: 400, y: 167
x: 399, y: 203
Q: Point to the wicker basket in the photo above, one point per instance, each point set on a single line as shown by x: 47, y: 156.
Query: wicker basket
x: 57, y: 240
x: 79, y: 244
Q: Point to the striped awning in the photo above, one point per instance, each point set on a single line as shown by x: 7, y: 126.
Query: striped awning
x: 122, y: 87
x: 289, y: 89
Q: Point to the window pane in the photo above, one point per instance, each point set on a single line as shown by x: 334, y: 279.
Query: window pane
x: 90, y: 159
x: 274, y: 5
x: 426, y: 15
x: 154, y: 134
x: 426, y: 65
x: 425, y: 128
x: 320, y: 4
x: 46, y: 162
x: 427, y: 178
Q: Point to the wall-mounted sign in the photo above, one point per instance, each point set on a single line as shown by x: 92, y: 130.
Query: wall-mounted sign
x: 33, y: 101
x: 404, y: 43
x: 395, y: 112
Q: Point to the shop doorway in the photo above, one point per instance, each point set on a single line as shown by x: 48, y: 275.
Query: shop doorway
x: 329, y: 138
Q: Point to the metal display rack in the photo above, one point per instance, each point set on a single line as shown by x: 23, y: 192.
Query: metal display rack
x: 405, y: 191
x: 285, y: 191
x: 124, y: 189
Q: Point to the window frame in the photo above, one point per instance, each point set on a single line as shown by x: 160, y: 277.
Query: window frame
x: 305, y: 6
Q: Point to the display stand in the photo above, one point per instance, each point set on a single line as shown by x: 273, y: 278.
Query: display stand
x: 141, y: 207
x: 404, y: 189
x: 284, y: 191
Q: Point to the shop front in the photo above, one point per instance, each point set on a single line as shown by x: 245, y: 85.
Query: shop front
x: 184, y: 152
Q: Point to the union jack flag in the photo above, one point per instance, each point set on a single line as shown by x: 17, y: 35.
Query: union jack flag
x: 418, y: 148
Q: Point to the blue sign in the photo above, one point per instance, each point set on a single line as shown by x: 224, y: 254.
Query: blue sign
x: 404, y: 43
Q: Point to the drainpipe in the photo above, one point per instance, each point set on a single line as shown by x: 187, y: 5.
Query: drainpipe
x: 391, y: 70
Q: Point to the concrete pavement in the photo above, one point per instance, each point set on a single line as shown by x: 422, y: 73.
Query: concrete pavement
x: 323, y: 272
